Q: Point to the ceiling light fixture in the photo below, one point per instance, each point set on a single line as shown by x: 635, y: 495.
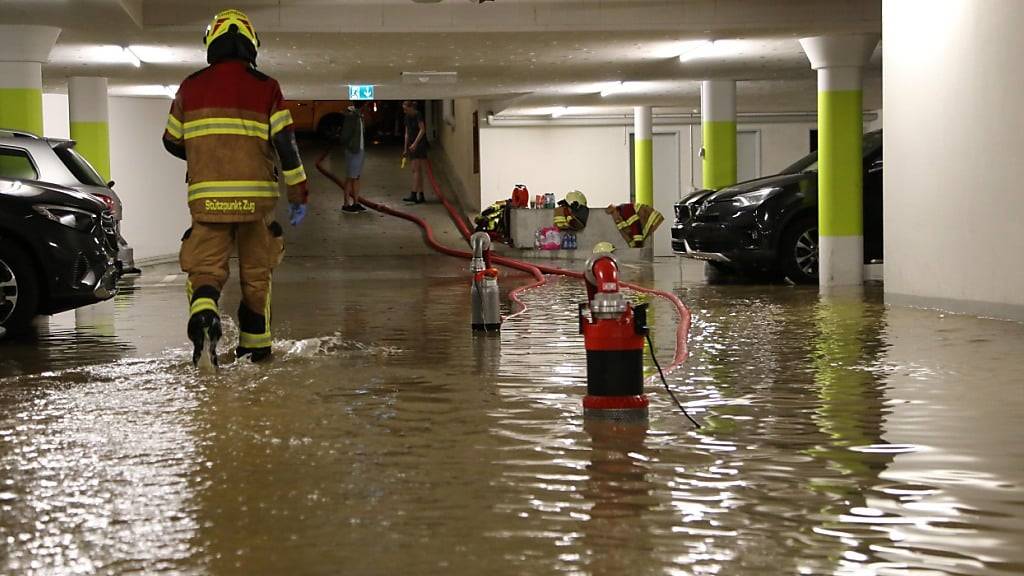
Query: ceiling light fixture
x: 131, y: 57
x: 430, y: 77
x: 620, y: 87
x: 613, y: 88
x: 559, y: 111
x: 705, y: 49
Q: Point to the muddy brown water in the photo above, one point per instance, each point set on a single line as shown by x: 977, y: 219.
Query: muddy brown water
x: 840, y: 437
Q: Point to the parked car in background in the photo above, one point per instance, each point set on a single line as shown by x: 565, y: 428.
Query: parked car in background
x: 27, y: 157
x: 58, y: 250
x: 770, y: 224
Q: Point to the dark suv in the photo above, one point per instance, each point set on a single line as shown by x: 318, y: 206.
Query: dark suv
x: 771, y: 224
x: 58, y: 251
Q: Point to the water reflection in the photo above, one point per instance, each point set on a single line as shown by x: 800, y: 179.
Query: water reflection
x: 840, y: 437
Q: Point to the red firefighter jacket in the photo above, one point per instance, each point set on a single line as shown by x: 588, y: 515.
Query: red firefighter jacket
x: 229, y: 123
x: 635, y: 223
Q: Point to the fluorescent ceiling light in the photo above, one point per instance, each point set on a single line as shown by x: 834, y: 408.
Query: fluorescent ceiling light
x: 430, y: 77
x: 155, y: 54
x: 151, y: 90
x: 557, y: 112
x: 709, y: 49
x: 613, y: 88
x: 620, y: 87
x: 131, y: 57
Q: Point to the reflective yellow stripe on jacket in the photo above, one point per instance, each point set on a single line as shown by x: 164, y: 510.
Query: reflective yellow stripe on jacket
x: 174, y: 127
x: 279, y: 121
x: 232, y: 189
x: 230, y: 126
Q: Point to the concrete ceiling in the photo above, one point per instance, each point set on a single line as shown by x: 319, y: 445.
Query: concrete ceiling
x: 535, y: 54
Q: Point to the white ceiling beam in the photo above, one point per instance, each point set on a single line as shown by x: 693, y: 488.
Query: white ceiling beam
x: 696, y: 17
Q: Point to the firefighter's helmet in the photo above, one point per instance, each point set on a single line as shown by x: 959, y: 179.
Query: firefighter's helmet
x: 222, y: 22
x: 576, y: 196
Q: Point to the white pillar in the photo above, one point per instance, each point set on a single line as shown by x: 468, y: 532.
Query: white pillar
x: 87, y: 102
x: 643, y: 155
x: 718, y: 129
x: 23, y: 49
x: 839, y: 61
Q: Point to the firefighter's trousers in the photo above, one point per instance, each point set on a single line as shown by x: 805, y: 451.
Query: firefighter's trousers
x: 205, y: 250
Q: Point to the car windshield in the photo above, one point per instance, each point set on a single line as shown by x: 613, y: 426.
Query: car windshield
x: 79, y: 166
x: 809, y: 163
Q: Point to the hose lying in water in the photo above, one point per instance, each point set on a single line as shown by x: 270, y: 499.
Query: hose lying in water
x: 537, y: 271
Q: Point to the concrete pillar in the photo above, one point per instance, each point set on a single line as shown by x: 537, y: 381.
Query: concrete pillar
x: 23, y: 50
x: 839, y: 61
x: 643, y: 155
x: 718, y: 127
x: 87, y: 103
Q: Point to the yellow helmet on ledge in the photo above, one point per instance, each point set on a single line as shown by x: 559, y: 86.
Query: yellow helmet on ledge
x: 576, y: 196
x: 221, y: 24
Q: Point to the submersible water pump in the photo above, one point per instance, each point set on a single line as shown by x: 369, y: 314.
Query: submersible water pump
x: 484, y: 292
x: 613, y: 334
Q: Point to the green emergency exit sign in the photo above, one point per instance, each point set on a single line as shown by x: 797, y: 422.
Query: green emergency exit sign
x: 360, y: 91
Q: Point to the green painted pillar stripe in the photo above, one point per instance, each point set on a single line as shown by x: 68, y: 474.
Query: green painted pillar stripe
x: 22, y: 109
x: 643, y: 160
x: 719, y: 164
x: 92, y: 140
x: 840, y: 180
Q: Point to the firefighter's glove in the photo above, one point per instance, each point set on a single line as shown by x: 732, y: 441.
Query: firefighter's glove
x: 296, y: 213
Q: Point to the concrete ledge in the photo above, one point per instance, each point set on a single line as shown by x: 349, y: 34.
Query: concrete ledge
x: 996, y: 310
x: 600, y: 228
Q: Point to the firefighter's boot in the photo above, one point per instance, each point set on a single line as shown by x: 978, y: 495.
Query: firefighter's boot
x: 254, y: 340
x: 204, y: 331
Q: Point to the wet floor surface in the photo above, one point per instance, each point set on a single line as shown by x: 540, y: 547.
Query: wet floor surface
x: 839, y: 437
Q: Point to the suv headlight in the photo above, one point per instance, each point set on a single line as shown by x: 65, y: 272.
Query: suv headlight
x: 754, y: 197
x: 81, y: 220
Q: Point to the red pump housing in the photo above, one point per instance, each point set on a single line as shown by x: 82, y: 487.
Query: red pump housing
x: 613, y: 335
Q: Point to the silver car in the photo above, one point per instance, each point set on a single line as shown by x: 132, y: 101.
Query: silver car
x: 25, y: 156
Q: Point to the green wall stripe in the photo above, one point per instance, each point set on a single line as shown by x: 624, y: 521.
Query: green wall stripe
x: 22, y: 109
x: 840, y: 182
x: 93, y: 141
x: 643, y: 168
x: 719, y: 165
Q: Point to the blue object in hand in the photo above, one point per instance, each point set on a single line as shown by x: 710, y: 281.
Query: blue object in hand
x: 297, y: 213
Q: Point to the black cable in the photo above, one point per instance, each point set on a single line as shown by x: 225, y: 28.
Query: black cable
x: 650, y: 344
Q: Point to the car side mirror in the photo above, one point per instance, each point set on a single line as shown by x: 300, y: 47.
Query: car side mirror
x: 110, y: 184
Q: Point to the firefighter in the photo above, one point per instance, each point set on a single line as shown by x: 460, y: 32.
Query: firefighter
x: 229, y: 123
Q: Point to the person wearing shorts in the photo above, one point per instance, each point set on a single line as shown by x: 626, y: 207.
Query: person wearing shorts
x: 415, y: 149
x: 353, y: 140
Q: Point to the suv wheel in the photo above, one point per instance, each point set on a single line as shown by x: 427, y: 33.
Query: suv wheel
x: 19, y: 290
x: 798, y: 251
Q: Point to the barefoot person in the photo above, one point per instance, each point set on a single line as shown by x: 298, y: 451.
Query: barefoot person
x: 354, y: 142
x: 415, y: 149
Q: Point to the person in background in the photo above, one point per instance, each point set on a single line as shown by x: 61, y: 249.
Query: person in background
x: 229, y: 123
x: 353, y: 139
x: 415, y: 149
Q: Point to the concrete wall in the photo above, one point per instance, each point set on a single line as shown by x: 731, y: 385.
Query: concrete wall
x: 150, y: 182
x: 457, y: 144
x: 953, y: 142
x: 595, y: 159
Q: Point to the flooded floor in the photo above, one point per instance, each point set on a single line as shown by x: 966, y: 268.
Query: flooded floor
x: 840, y: 436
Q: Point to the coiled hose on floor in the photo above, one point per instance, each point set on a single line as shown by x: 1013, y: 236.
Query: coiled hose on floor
x: 537, y: 271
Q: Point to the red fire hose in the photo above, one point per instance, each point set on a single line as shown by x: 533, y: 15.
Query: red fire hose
x: 538, y: 271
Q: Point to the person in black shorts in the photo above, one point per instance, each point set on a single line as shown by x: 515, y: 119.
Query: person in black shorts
x: 415, y: 149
